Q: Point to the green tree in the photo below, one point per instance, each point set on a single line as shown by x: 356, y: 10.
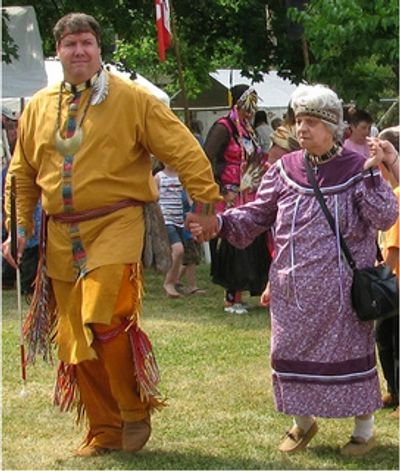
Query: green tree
x: 9, y: 49
x: 353, y: 46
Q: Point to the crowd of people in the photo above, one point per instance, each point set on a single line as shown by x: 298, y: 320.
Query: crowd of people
x: 244, y: 188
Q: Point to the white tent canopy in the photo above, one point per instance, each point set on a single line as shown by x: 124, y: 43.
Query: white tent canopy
x: 55, y: 74
x: 274, y: 94
x: 273, y: 91
x: 26, y: 75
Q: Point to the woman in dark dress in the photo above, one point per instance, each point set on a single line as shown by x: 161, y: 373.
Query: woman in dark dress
x: 238, y: 164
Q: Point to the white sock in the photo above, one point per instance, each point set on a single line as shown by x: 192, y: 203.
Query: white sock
x: 364, y: 428
x: 304, y: 422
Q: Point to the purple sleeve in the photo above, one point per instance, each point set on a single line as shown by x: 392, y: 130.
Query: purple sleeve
x: 376, y: 202
x: 241, y: 225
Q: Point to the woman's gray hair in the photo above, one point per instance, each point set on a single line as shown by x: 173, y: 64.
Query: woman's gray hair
x: 321, y: 102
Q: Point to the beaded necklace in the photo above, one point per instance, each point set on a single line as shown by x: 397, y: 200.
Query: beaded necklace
x: 239, y: 126
x: 71, y: 145
x: 243, y: 157
x: 317, y: 160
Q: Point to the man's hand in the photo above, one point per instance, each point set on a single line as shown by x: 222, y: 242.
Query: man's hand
x: 202, y: 227
x: 6, y: 250
x: 229, y: 198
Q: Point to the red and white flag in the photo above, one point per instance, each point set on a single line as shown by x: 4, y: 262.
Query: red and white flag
x: 163, y: 27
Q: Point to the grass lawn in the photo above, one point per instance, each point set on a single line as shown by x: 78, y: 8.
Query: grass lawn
x: 216, y: 376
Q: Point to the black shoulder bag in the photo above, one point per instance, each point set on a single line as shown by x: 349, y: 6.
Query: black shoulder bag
x: 375, y: 292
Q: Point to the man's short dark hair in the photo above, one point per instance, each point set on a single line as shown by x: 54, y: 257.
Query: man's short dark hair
x: 260, y: 117
x: 357, y: 116
x: 73, y: 23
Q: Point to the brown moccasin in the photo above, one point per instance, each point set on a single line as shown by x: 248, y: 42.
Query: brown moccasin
x: 296, y: 439
x: 135, y: 435
x: 357, y: 446
x: 87, y: 451
x: 390, y: 400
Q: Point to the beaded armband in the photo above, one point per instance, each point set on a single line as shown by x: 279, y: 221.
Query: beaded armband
x: 230, y: 187
x: 208, y: 209
x: 21, y: 231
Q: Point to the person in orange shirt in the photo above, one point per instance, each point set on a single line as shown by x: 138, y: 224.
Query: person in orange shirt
x: 392, y: 243
x: 385, y: 149
x: 387, y: 331
x: 384, y: 152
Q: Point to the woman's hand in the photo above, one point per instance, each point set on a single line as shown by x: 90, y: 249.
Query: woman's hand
x: 202, y: 227
x: 265, y: 296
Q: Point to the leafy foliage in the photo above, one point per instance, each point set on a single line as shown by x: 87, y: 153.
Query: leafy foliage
x: 9, y: 49
x: 352, y: 44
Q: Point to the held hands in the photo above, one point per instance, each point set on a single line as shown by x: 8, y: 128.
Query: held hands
x: 381, y: 152
x: 229, y: 198
x: 202, y: 227
x: 6, y: 250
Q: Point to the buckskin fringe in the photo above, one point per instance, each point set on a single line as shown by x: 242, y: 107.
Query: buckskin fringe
x: 66, y: 387
x: 41, y: 321
x: 146, y: 368
x: 66, y: 391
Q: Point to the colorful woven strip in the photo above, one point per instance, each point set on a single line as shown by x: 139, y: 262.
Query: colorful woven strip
x: 72, y: 114
x: 204, y: 208
x: 109, y: 335
x: 78, y: 251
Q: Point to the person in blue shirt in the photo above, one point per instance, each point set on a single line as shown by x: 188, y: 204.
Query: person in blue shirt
x: 191, y: 256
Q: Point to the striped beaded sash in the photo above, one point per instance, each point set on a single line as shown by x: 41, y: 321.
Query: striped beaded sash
x: 78, y: 251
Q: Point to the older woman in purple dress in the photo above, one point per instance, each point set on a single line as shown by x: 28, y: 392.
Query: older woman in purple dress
x: 322, y: 356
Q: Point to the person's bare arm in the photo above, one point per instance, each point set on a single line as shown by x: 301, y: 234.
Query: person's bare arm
x: 383, y: 152
x: 392, y: 257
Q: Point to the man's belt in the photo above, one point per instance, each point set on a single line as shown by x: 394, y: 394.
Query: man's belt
x: 79, y: 216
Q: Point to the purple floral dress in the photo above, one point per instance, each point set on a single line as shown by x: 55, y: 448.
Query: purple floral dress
x: 322, y: 356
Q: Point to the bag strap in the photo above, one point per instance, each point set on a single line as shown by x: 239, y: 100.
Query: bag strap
x: 379, y: 255
x: 325, y: 210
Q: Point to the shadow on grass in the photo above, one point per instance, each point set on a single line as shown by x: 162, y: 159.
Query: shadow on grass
x: 163, y: 460
x: 372, y: 460
x: 205, y: 311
